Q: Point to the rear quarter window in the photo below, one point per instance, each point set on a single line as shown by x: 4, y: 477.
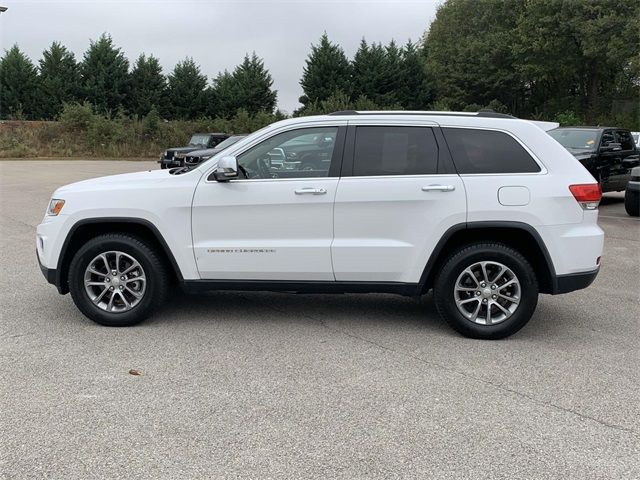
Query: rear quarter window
x: 487, y: 151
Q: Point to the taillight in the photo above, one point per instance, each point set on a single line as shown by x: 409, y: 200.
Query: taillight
x: 588, y: 195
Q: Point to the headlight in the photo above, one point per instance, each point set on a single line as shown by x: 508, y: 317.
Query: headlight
x: 55, y: 205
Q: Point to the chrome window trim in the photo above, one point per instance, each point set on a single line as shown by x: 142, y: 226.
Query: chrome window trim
x: 272, y: 133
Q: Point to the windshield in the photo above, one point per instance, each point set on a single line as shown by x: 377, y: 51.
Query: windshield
x: 199, y: 140
x: 229, y: 141
x: 578, y: 138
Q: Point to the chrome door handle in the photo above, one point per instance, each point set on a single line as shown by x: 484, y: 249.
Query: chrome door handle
x: 311, y: 191
x: 439, y: 188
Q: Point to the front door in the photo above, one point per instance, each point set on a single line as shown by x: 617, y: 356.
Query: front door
x: 275, y: 223
x: 394, y: 202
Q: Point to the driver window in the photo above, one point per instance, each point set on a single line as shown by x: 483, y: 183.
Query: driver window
x: 301, y: 153
x: 607, y: 138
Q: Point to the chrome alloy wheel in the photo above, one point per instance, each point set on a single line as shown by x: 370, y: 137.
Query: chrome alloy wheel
x: 487, y: 293
x: 115, y: 281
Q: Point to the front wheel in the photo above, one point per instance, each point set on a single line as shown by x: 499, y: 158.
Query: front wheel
x: 486, y: 290
x: 117, y: 280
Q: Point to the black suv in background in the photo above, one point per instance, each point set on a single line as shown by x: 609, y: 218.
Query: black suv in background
x: 197, y: 156
x: 174, y: 157
x: 608, y: 153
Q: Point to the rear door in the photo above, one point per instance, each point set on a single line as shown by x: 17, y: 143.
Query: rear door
x: 628, y: 158
x: 397, y: 195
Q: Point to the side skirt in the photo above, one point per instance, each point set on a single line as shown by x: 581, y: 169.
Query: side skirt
x: 406, y: 289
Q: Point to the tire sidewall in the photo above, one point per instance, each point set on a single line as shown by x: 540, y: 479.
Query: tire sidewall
x: 131, y: 247
x: 445, y: 298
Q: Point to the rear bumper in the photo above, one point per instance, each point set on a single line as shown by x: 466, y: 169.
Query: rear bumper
x: 573, y: 281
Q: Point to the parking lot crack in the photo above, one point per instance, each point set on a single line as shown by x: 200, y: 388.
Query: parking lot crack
x: 484, y: 381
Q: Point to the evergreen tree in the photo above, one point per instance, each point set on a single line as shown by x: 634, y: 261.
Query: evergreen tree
x: 148, y: 86
x: 413, y: 91
x: 105, y: 75
x: 253, y: 83
x: 327, y: 72
x: 59, y: 80
x: 18, y: 86
x: 247, y: 88
x: 186, y: 98
x: 375, y: 72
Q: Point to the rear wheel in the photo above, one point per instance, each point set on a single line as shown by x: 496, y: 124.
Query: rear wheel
x: 486, y: 290
x: 117, y: 280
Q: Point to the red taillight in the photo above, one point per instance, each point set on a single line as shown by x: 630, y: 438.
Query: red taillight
x: 588, y: 195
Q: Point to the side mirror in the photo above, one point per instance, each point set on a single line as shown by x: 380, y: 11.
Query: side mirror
x: 612, y: 147
x: 227, y: 169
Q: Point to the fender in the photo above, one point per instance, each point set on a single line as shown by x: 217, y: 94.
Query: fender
x: 437, y: 255
x: 62, y: 265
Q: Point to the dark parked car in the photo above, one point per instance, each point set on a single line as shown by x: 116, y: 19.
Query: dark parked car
x: 174, y: 157
x: 608, y: 153
x: 632, y: 195
x: 197, y: 156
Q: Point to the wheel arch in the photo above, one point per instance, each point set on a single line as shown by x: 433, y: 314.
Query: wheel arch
x: 84, y: 230
x: 520, y: 236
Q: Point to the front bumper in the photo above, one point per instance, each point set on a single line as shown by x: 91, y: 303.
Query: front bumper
x: 171, y: 163
x: 51, y: 274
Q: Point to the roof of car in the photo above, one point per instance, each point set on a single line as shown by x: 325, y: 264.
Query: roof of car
x: 584, y: 127
x: 481, y: 113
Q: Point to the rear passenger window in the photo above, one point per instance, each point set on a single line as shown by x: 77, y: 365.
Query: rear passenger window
x: 395, y: 151
x: 625, y: 139
x: 487, y: 151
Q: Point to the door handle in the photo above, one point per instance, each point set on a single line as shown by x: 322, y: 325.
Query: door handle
x: 439, y: 188
x: 311, y: 191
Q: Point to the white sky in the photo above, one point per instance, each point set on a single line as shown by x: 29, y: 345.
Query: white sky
x: 216, y: 34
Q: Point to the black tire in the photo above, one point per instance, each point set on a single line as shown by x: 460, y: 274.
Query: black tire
x: 163, y: 165
x: 480, y: 252
x: 156, y: 273
x: 632, y: 202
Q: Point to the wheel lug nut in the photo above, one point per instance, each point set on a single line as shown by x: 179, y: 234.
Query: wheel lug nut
x: 110, y: 288
x: 484, y: 300
x: 107, y: 279
x: 121, y: 287
x: 478, y: 293
x: 114, y: 273
x: 483, y: 284
x: 493, y: 287
x: 494, y: 296
x: 122, y: 277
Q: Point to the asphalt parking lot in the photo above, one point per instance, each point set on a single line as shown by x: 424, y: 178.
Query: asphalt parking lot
x: 266, y: 385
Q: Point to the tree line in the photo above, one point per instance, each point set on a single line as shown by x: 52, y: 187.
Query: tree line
x: 103, y: 79
x: 561, y: 60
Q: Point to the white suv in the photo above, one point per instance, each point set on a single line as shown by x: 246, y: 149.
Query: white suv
x: 485, y: 209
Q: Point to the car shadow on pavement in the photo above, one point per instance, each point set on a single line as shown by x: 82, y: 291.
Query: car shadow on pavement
x: 356, y: 309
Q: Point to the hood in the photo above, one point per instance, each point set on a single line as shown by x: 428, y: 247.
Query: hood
x: 124, y: 179
x: 182, y: 149
x: 205, y: 153
x: 580, y: 153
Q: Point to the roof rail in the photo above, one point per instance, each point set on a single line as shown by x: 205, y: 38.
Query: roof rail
x: 486, y: 113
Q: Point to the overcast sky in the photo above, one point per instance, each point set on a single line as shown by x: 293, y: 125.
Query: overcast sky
x: 216, y: 34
